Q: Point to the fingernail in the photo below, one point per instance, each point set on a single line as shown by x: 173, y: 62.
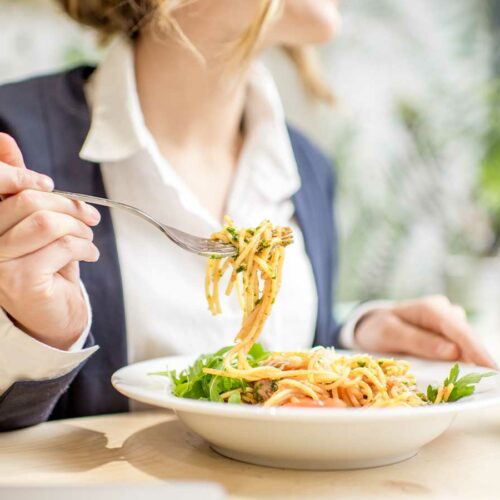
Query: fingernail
x: 493, y: 363
x: 94, y: 213
x: 46, y: 183
x: 446, y: 350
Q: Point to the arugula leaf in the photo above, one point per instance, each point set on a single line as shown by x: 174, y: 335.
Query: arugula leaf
x: 462, y: 387
x: 235, y: 398
x: 431, y: 393
x: 473, y: 378
x: 256, y: 354
x: 453, y: 375
x: 466, y: 385
x: 459, y: 393
x: 193, y: 383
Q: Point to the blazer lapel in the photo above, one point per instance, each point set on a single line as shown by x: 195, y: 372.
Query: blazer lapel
x: 314, y: 215
x: 102, y: 279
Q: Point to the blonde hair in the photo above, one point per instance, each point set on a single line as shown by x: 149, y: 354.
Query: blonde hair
x: 110, y: 17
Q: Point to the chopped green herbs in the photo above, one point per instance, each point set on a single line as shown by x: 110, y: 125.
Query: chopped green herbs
x: 263, y: 245
x: 232, y: 231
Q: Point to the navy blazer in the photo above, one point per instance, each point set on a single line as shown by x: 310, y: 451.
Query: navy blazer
x: 49, y: 117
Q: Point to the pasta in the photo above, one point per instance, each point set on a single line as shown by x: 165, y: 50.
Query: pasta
x: 259, y: 261
x: 292, y: 378
x: 320, y: 377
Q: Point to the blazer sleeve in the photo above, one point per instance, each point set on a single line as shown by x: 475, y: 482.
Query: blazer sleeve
x: 22, y: 115
x: 31, y: 402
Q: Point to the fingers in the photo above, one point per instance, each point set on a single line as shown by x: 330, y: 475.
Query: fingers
x: 10, y: 152
x: 410, y: 339
x: 386, y: 332
x: 438, y: 315
x: 32, y: 271
x: 39, y: 230
x: 459, y: 312
x: 13, y: 180
x: 60, y: 254
x: 70, y: 272
x: 460, y: 332
x: 426, y: 313
x: 18, y: 207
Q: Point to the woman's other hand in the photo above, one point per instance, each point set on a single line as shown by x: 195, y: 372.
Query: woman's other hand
x: 43, y: 236
x: 430, y: 327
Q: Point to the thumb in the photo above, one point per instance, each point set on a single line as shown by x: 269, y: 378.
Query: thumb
x: 10, y: 152
x: 71, y: 272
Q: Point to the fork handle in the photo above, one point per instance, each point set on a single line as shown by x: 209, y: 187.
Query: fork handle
x: 95, y: 200
x: 104, y: 202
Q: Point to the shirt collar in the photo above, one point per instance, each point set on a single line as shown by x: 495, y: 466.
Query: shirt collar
x: 118, y: 131
x: 117, y: 128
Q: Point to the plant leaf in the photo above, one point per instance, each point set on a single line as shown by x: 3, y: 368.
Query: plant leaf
x: 193, y: 383
x: 453, y: 374
x: 462, y: 387
x: 473, y: 378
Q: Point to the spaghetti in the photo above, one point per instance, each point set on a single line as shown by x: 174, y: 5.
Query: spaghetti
x: 256, y: 275
x: 319, y: 377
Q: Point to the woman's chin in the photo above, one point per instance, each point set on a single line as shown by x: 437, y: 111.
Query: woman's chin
x: 325, y: 31
x: 311, y: 22
x: 326, y: 26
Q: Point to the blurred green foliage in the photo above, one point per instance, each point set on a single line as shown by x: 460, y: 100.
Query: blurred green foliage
x: 490, y: 167
x: 489, y: 186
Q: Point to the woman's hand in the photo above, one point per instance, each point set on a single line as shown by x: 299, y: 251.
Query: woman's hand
x: 42, y: 238
x: 431, y: 327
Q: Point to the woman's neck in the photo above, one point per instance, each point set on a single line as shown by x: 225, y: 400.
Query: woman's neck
x: 194, y: 114
x: 187, y: 102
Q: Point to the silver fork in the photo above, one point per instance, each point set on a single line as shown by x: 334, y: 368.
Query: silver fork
x: 194, y: 244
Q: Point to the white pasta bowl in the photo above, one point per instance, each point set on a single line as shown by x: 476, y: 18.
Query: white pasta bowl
x: 308, y: 438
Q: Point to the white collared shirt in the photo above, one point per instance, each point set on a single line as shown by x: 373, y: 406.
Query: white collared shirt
x: 166, y: 311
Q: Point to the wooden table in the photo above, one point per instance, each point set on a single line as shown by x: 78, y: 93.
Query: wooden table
x: 154, y: 446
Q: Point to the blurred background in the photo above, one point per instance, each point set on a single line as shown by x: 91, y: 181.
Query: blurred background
x: 415, y: 135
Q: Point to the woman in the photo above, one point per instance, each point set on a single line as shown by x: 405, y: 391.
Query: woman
x: 180, y: 121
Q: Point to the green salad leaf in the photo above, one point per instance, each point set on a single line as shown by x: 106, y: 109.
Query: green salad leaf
x: 193, y: 383
x: 462, y: 387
